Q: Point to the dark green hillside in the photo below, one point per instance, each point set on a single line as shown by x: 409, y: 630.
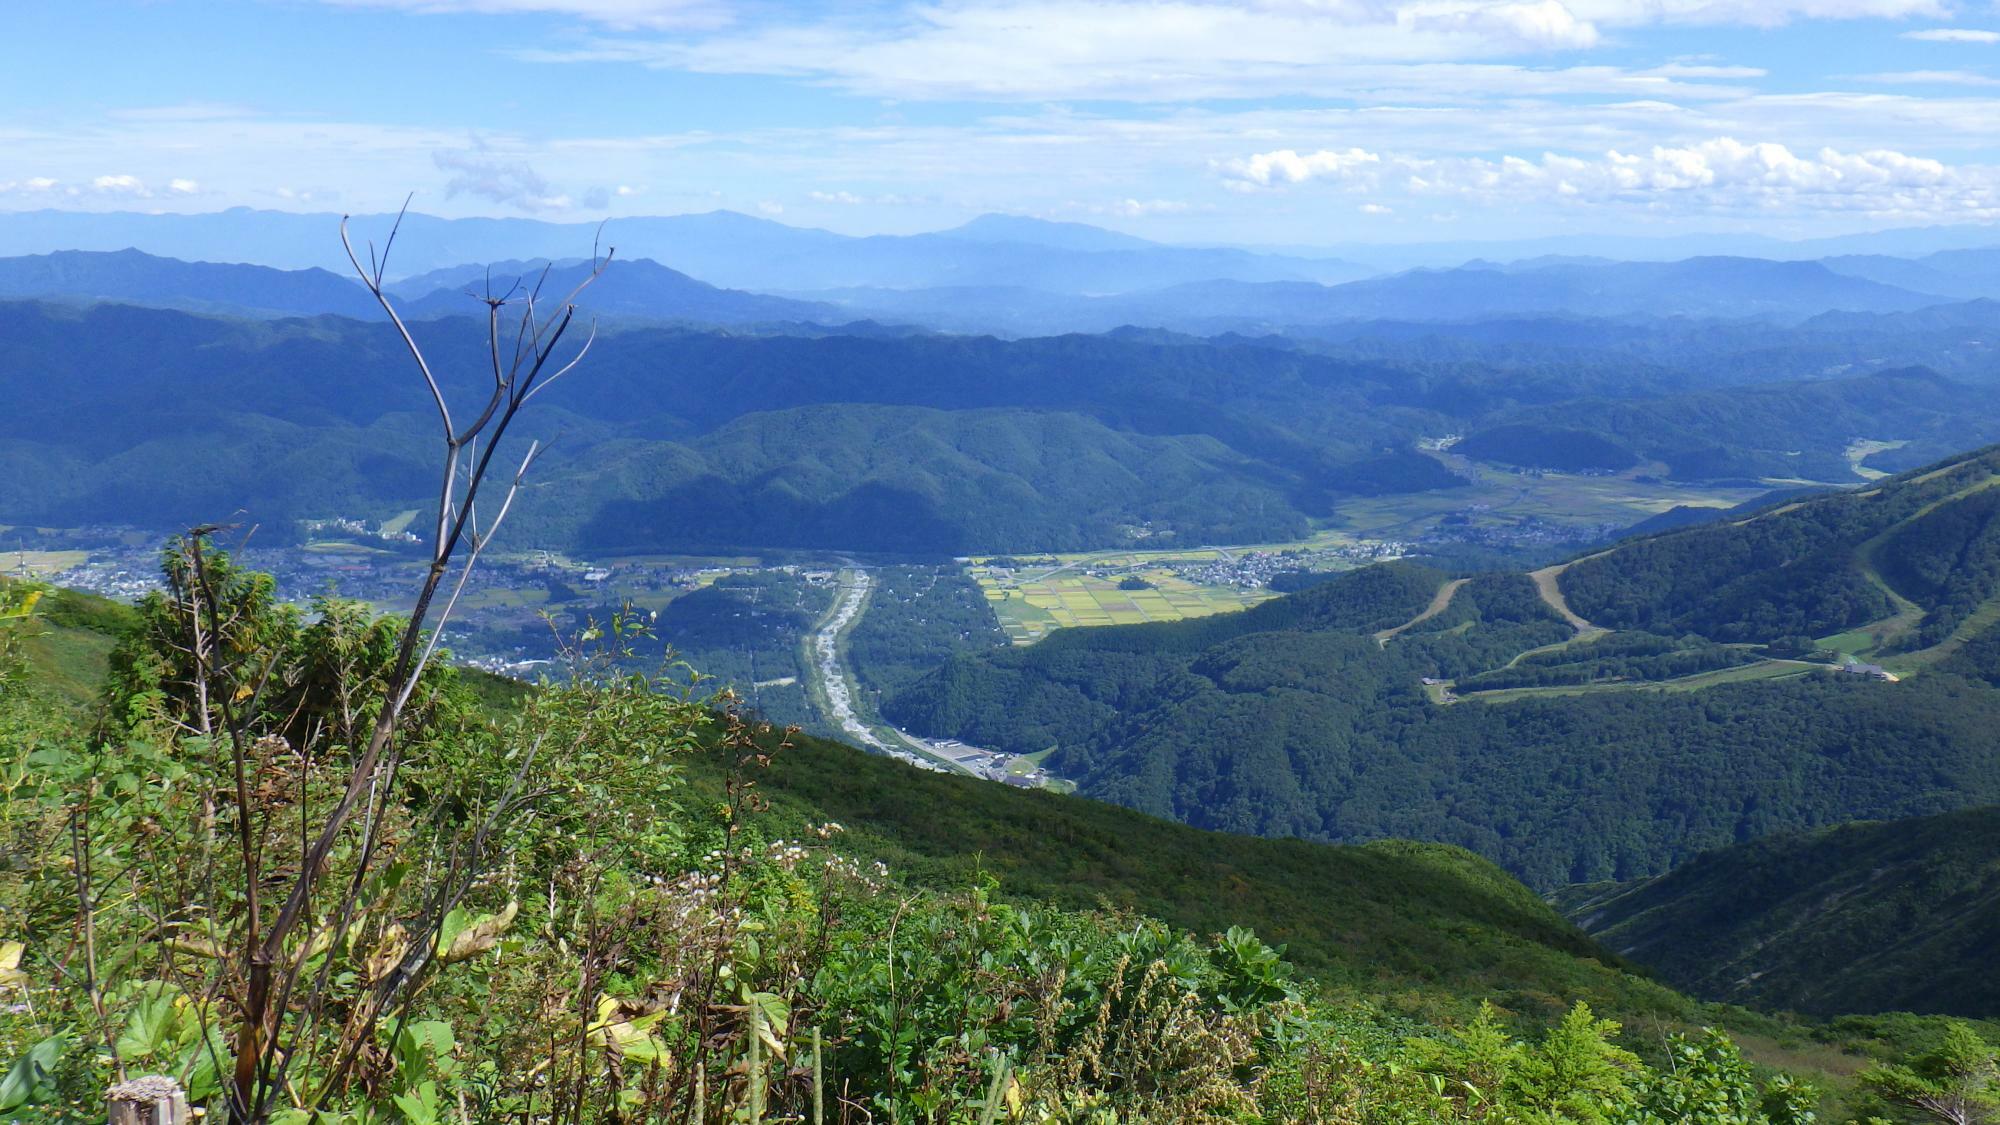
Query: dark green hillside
x: 1375, y: 919
x: 1433, y: 923
x: 1548, y: 447
x: 840, y: 441
x: 913, y: 480
x: 1811, y: 569
x: 1897, y: 915
x: 1685, y: 701
x: 1796, y: 430
x: 1064, y: 690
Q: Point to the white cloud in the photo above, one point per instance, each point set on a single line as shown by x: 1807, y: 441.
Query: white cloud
x: 1720, y: 174
x: 1134, y: 208
x: 771, y: 207
x: 1031, y: 160
x: 632, y: 14
x: 1704, y: 70
x: 1753, y: 13
x: 110, y: 187
x: 849, y: 199
x: 512, y: 182
x: 1177, y: 50
x: 1931, y: 78
x: 1266, y: 169
x: 1376, y: 209
x: 1954, y: 35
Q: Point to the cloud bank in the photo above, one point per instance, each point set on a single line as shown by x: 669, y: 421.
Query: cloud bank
x: 1720, y: 174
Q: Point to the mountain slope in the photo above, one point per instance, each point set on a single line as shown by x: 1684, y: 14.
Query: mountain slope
x: 1783, y: 431
x: 1393, y: 918
x: 1000, y: 300
x: 1716, y: 286
x: 1889, y: 916
x: 120, y: 414
x: 628, y: 288
x: 1609, y: 718
x: 142, y: 279
x: 132, y: 415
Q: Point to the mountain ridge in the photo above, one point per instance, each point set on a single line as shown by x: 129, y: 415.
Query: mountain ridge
x: 1863, y: 917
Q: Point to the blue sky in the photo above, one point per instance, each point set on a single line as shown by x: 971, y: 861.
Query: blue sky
x: 1282, y: 122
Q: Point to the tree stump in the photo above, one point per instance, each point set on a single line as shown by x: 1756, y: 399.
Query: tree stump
x: 152, y: 1100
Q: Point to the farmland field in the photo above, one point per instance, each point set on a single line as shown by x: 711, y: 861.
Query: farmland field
x: 40, y: 562
x: 1028, y: 608
x: 1498, y: 496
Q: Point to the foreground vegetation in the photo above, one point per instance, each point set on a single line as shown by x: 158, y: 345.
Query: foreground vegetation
x: 598, y: 901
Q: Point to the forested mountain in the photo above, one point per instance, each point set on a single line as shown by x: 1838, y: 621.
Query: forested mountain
x: 162, y: 418
x: 131, y: 277
x: 1880, y: 916
x: 1718, y: 287
x: 1606, y: 719
x: 1963, y: 273
x: 1205, y: 442
x: 1793, y: 430
x: 636, y: 288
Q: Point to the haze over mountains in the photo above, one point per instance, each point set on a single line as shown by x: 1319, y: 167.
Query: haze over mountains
x: 998, y: 274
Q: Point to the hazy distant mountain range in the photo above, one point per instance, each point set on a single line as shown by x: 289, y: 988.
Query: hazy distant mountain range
x: 746, y: 252
x: 1722, y: 287
x: 644, y: 289
x: 130, y: 276
x: 721, y: 247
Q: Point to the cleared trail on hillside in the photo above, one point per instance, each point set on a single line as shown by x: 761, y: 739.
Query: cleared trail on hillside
x: 1909, y: 615
x: 1548, y: 583
x: 1440, y: 602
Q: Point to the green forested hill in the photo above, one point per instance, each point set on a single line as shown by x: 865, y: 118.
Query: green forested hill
x: 1907, y: 564
x: 682, y: 440
x: 1682, y: 696
x: 1895, y: 915
x: 1783, y: 430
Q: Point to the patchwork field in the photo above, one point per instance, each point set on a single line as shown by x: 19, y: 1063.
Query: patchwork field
x: 1029, y: 608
